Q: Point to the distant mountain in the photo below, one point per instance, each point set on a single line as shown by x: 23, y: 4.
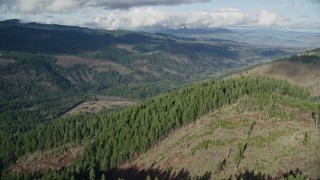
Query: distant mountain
x: 10, y: 22
x: 299, y: 40
x: 19, y: 23
x: 52, y: 38
x: 303, y: 40
x: 197, y: 31
x: 210, y: 34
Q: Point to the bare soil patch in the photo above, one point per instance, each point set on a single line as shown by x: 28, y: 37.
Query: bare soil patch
x: 146, y: 69
x: 41, y: 161
x: 127, y: 47
x: 97, y: 65
x: 5, y: 62
x: 170, y: 71
x: 180, y: 58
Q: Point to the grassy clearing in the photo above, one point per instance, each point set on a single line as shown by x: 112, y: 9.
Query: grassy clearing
x: 97, y: 65
x: 5, y: 62
x: 54, y: 159
x: 99, y: 104
x: 263, y: 141
x: 220, y: 142
x: 207, y: 143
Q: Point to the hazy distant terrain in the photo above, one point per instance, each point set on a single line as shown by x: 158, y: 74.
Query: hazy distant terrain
x: 285, y: 38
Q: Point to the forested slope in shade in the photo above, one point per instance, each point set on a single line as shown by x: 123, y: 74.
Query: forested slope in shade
x: 37, y: 87
x: 112, y: 138
x: 47, y: 70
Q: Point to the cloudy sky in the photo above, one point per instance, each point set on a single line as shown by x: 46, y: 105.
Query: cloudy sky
x: 153, y: 14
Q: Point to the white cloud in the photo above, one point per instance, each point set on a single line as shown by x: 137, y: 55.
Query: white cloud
x: 147, y: 17
x: 135, y: 18
x: 42, y: 6
x: 268, y: 18
x: 140, y: 18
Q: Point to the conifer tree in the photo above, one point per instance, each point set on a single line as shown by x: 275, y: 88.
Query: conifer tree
x: 307, y: 142
x: 92, y: 174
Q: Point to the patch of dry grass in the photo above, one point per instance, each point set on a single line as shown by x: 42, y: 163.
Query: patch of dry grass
x: 55, y: 159
x: 198, y: 148
x: 97, y: 65
x: 179, y: 58
x: 5, y: 62
x: 146, y: 69
x: 127, y: 47
x: 101, y: 102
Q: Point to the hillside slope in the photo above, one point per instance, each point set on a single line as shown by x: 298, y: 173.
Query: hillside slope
x: 112, y: 138
x: 272, y: 135
x: 271, y: 146
x: 302, y: 70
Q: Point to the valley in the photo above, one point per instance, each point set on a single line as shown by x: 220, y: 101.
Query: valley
x: 80, y: 103
x: 55, y: 68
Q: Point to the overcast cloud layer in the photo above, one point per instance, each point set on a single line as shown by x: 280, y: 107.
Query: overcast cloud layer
x: 141, y: 14
x: 38, y: 6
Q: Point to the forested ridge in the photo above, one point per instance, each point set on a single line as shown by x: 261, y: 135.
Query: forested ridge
x: 115, y: 137
x: 302, y: 69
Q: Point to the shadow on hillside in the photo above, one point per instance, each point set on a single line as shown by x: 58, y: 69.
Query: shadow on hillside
x: 135, y: 173
x: 253, y: 175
